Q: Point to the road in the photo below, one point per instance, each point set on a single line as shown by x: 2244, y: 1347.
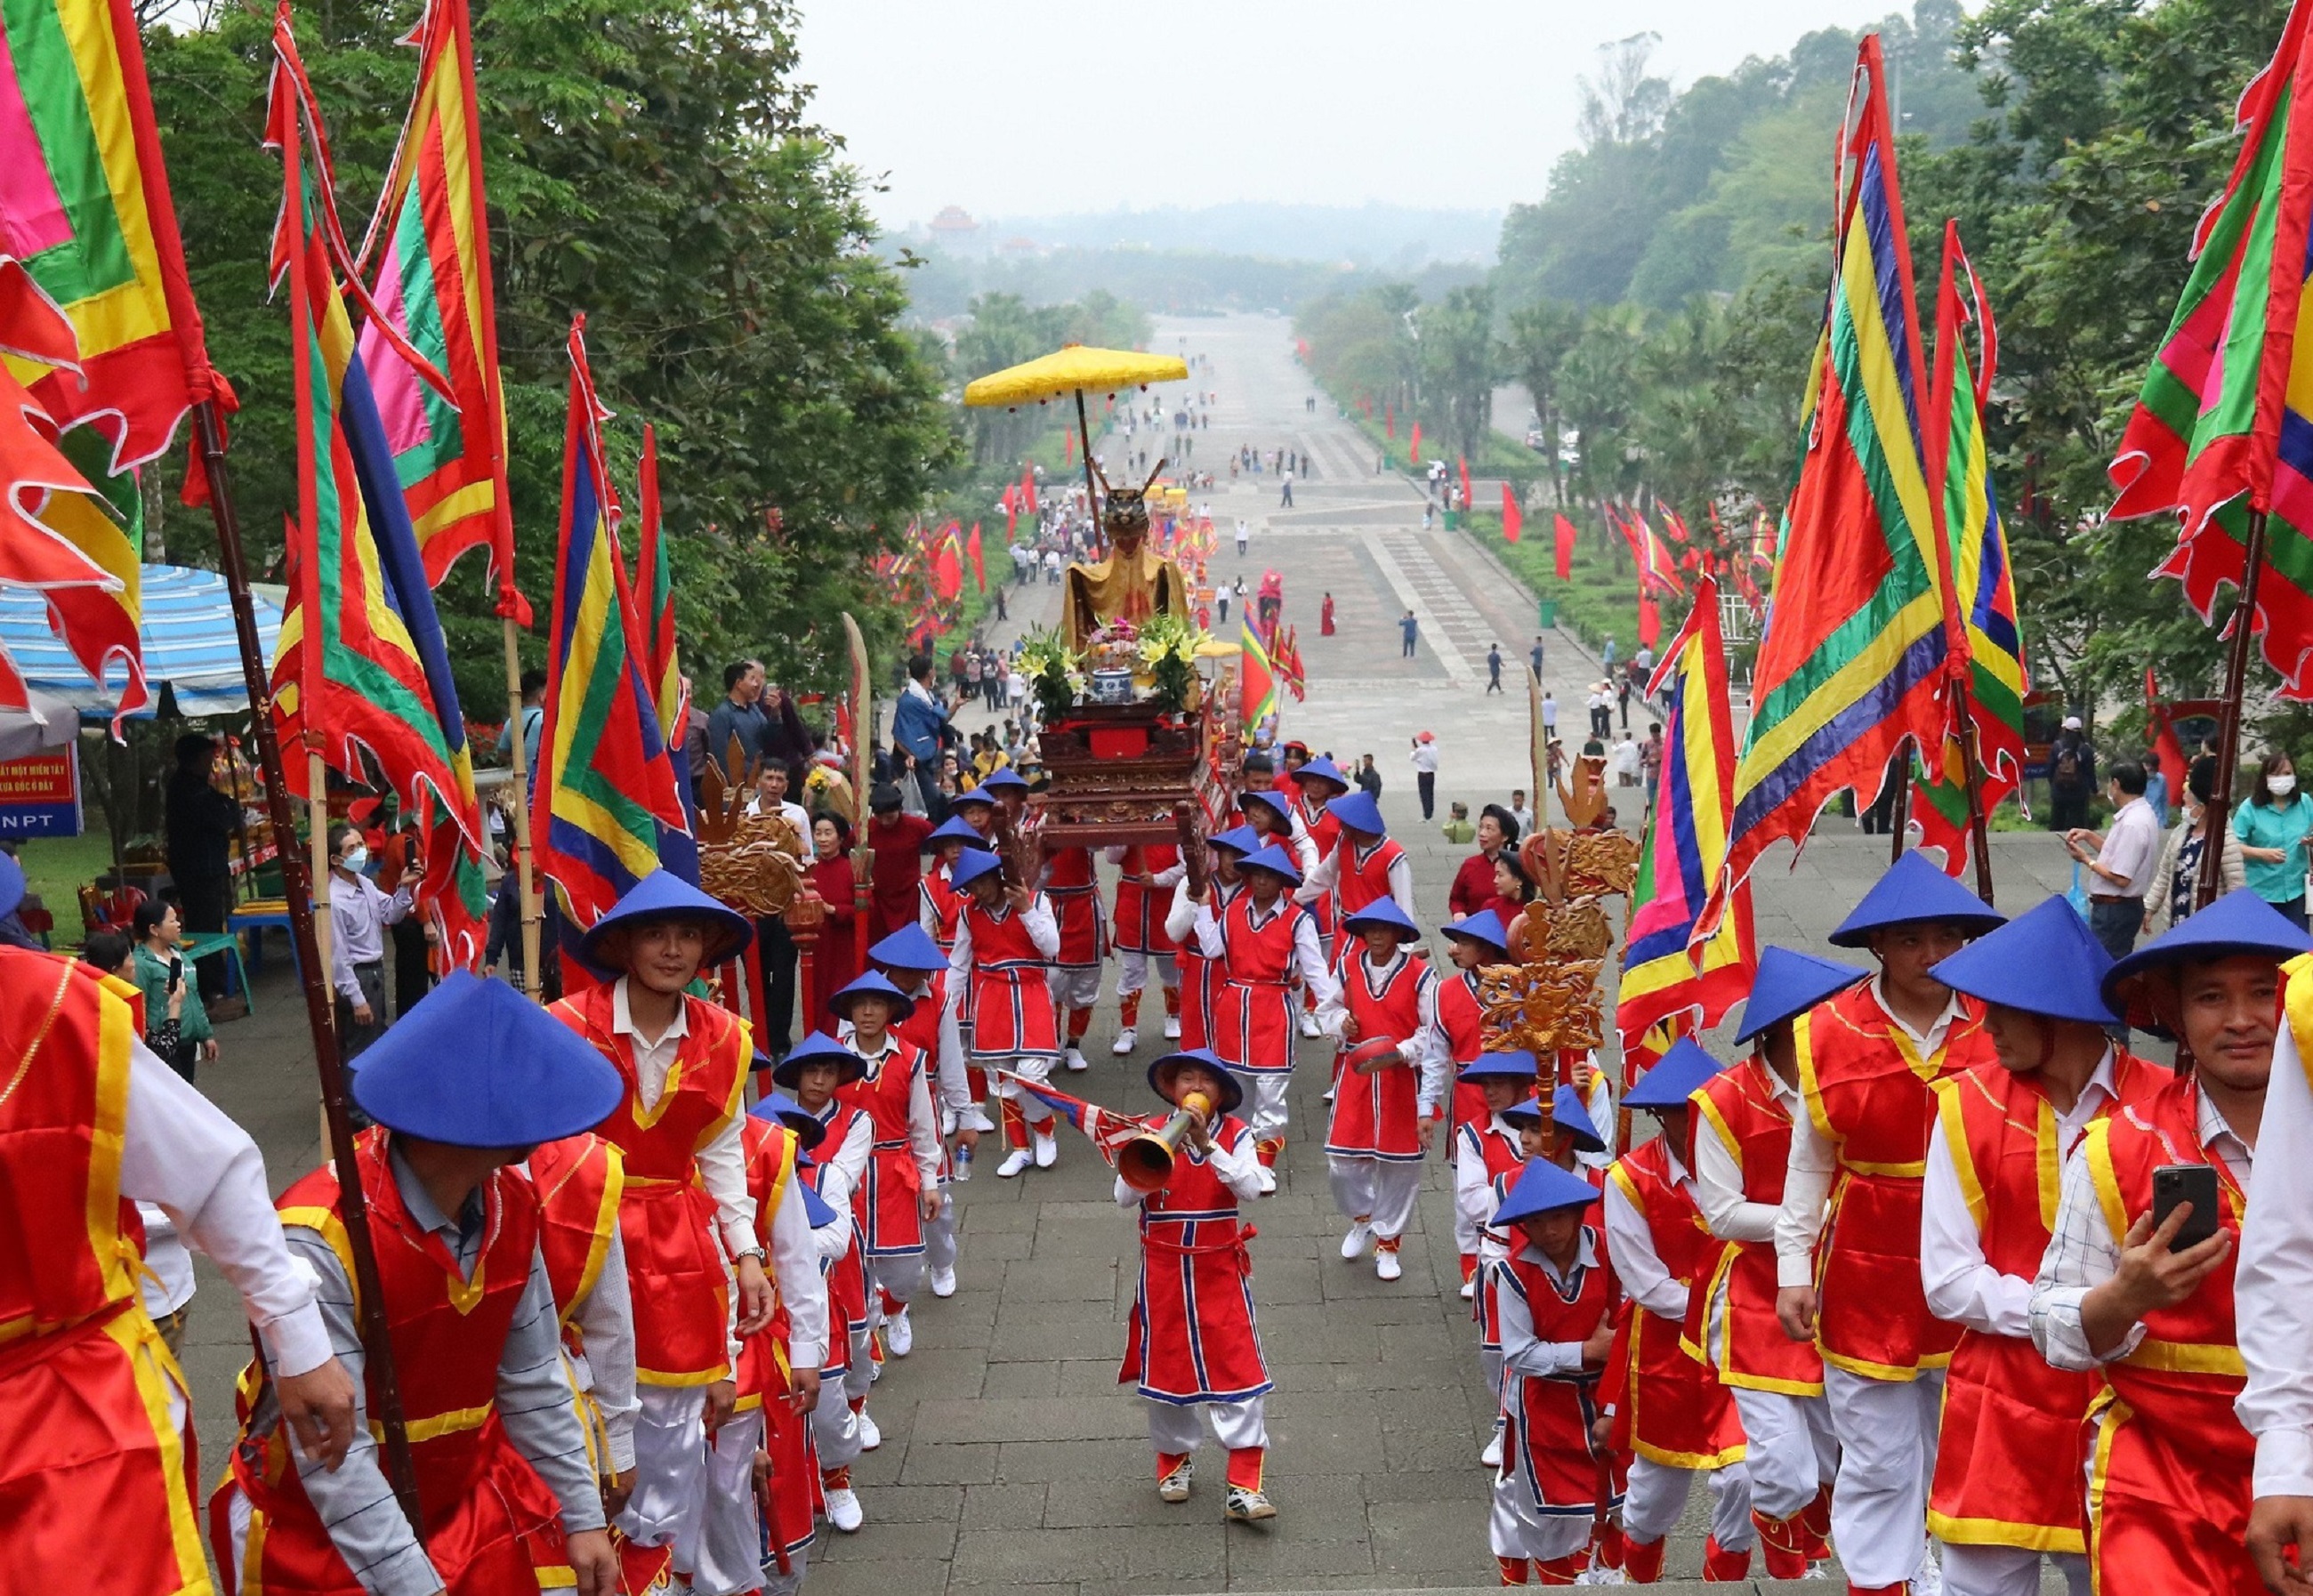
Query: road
x: 1010, y: 1456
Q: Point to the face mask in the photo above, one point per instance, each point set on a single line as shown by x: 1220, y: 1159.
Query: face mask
x: 355, y: 860
x: 2280, y: 786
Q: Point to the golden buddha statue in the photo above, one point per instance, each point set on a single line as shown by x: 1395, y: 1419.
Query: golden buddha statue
x: 1134, y: 582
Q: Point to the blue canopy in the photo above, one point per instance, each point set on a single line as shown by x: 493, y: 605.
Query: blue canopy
x: 188, y: 637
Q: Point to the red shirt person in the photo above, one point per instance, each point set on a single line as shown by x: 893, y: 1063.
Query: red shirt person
x: 1473, y: 883
x: 897, y: 839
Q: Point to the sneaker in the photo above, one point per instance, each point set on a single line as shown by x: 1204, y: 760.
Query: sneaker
x: 1247, y: 1507
x: 1077, y: 1060
x: 1017, y: 1159
x: 1048, y: 1150
x: 899, y: 1335
x: 1127, y: 1040
x: 1268, y: 1180
x: 943, y: 1282
x: 1308, y: 1029
x: 959, y: 1163
x: 1385, y: 1264
x: 1171, y: 1027
x: 870, y: 1437
x: 843, y: 1511
x: 1491, y: 1454
x: 1469, y: 1290
x: 1353, y: 1245
x: 1174, y: 1486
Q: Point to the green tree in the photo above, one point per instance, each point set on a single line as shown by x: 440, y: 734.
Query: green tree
x: 1459, y: 365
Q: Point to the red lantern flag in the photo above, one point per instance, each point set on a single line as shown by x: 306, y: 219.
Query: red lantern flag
x: 1513, y: 517
x: 1672, y: 519
x: 1565, y: 530
x: 1028, y: 488
x: 2164, y: 739
x: 1413, y: 449
x: 971, y: 547
x: 1463, y: 461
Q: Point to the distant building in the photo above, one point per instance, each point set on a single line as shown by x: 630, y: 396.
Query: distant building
x: 954, y: 229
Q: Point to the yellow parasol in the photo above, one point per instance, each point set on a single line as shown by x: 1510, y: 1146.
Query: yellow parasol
x: 1075, y: 368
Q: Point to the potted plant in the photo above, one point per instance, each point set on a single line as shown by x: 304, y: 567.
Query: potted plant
x: 1044, y: 655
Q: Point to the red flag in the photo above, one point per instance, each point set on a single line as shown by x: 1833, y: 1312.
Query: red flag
x: 1649, y: 619
x: 971, y: 547
x: 1677, y: 526
x: 1463, y: 461
x: 1028, y: 488
x: 1389, y: 419
x: 1068, y: 447
x: 1565, y: 530
x: 1513, y: 518
x: 947, y: 566
x: 1413, y: 449
x: 2164, y: 739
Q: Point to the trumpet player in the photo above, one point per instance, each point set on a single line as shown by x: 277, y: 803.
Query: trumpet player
x: 1192, y: 1341
x: 1386, y: 1107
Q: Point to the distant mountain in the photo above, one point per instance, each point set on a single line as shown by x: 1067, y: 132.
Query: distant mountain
x: 1395, y: 237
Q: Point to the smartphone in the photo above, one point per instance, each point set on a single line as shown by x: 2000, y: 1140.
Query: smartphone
x: 176, y: 969
x: 2196, y: 1184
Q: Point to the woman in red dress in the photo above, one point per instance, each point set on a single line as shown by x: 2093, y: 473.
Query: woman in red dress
x: 835, y: 962
x: 1325, y: 617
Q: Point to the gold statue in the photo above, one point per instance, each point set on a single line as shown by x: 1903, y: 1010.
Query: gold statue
x: 1134, y: 582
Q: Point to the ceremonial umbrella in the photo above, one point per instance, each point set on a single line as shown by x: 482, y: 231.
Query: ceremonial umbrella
x: 1075, y: 368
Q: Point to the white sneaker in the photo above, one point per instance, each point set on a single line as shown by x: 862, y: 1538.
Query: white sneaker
x: 1017, y: 1159
x: 843, y: 1511
x: 1385, y: 1264
x: 870, y: 1437
x: 1126, y: 1040
x: 943, y: 1282
x: 1470, y: 1289
x: 1047, y: 1149
x: 1492, y: 1456
x: 1077, y: 1060
x: 899, y: 1335
x: 1171, y: 1027
x: 1929, y: 1579
x: 1353, y: 1245
x: 1308, y: 1025
x: 1268, y: 1180
x: 1174, y: 1486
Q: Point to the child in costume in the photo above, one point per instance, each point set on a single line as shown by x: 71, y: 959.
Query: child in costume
x: 1311, y: 785
x: 1147, y: 873
x: 900, y: 1193
x: 1669, y: 1411
x: 913, y: 962
x: 1069, y: 885
x: 1365, y: 863
x: 1200, y: 977
x: 1385, y: 1108
x: 1192, y: 1343
x: 1471, y: 944
x: 1005, y: 938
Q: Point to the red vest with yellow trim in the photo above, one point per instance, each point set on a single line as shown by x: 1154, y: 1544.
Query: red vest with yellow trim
x: 1669, y: 1407
x: 2169, y: 1485
x: 92, y: 1474
x: 580, y: 1181
x: 448, y: 1333
x: 1141, y: 910
x: 674, y: 1267
x: 1377, y: 1115
x: 2006, y: 1411
x: 1363, y: 876
x: 1871, y: 1094
x: 1730, y: 1322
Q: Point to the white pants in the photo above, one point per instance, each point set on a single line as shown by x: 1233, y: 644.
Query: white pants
x: 1174, y: 1427
x: 1264, y: 1103
x: 1029, y: 1066
x: 2007, y: 1571
x: 834, y: 1427
x: 940, y: 1235
x: 1514, y: 1530
x: 900, y: 1277
x: 725, y: 1547
x: 1886, y: 1432
x: 1657, y: 1496
x: 670, y: 1467
x: 1074, y: 986
x: 858, y: 1378
x: 1132, y: 971
x: 1379, y: 1190
x: 1792, y: 1454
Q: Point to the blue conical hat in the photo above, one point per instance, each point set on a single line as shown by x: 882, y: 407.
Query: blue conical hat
x: 1789, y: 984
x: 1542, y: 1188
x: 1382, y: 910
x: 1912, y: 891
x: 1572, y: 1116
x: 783, y: 1110
x: 2240, y: 922
x: 911, y: 948
x: 1275, y: 860
x: 1359, y: 811
x: 663, y: 895
x: 2043, y: 962
x: 871, y: 985
x: 1485, y: 926
x: 1673, y: 1078
x: 474, y: 1063
x: 819, y: 1045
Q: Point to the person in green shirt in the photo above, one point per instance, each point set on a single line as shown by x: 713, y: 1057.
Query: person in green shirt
x: 2272, y: 826
x: 1457, y: 827
x: 158, y: 933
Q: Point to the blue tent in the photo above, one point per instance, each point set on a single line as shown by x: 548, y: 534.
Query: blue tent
x: 189, y: 644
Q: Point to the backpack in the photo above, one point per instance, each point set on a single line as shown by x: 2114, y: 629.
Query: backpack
x: 2067, y: 771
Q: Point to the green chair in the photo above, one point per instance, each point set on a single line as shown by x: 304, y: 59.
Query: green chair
x: 200, y: 946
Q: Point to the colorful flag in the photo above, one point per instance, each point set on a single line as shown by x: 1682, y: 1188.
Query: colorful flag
x: 2170, y: 751
x: 2223, y: 426
x: 978, y: 571
x: 1563, y: 530
x: 654, y: 600
x: 1513, y: 514
x: 1649, y: 617
x: 1028, y: 488
x: 1107, y: 1130
x: 1988, y: 666
x: 1677, y: 976
x: 948, y: 563
x: 1256, y: 680
x: 361, y: 671
x: 428, y: 256
x: 1287, y: 661
x: 1657, y: 571
x: 605, y: 806
x: 1852, y: 658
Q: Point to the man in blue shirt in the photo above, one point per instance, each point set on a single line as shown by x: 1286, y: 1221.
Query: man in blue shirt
x: 740, y: 715
x: 919, y: 723
x: 1411, y: 629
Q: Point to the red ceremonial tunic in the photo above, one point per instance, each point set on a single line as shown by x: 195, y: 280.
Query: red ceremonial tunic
x: 675, y: 1266
x: 1730, y: 1322
x: 1141, y: 910
x: 1200, y: 979
x: 1074, y: 892
x: 1363, y: 874
x: 1463, y: 1021
x: 2006, y: 1411
x: 1191, y: 1338
x: 945, y: 903
x: 580, y: 1181
x: 1378, y: 1115
x: 2168, y: 1486
x: 1547, y: 1449
x: 1324, y: 831
x: 793, y: 1495
x: 921, y: 1029
x: 1011, y: 1006
x: 93, y: 1477
x: 1871, y: 1094
x: 1669, y: 1407
x: 488, y: 1519
x: 1251, y: 1024
x: 891, y: 1224
x: 1497, y: 1150
x: 847, y: 1277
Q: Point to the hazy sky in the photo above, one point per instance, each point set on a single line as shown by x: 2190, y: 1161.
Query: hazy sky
x: 1026, y: 106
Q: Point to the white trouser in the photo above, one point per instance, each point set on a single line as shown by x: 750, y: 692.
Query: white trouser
x: 1074, y: 986
x: 1886, y: 1432
x: 1029, y: 1066
x: 1792, y: 1452
x: 670, y: 1467
x: 1381, y: 1191
x: 724, y: 1546
x: 939, y: 1234
x: 1264, y: 1103
x: 1514, y: 1530
x: 899, y: 1276
x: 1657, y: 1496
x: 1132, y: 971
x: 2007, y: 1571
x: 861, y: 1374
x: 1175, y: 1427
x: 834, y: 1427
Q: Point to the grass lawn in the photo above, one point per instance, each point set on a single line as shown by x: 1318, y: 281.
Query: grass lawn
x: 56, y: 867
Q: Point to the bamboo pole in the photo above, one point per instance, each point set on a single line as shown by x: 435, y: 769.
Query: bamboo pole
x: 533, y: 909
x: 1978, y: 832
x: 2220, y: 799
x: 298, y: 888
x: 1899, y: 814
x: 1084, y: 432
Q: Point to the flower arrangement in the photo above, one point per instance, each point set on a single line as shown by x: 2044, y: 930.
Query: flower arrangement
x: 1051, y: 667
x: 1167, y: 649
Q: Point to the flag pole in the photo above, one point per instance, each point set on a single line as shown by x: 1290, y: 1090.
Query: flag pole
x: 377, y: 1346
x: 1899, y: 816
x: 2229, y: 718
x: 1084, y: 430
x: 1971, y: 749
x: 532, y: 908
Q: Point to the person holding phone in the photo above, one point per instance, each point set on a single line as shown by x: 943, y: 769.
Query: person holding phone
x: 172, y: 987
x: 2272, y: 826
x: 2169, y: 1490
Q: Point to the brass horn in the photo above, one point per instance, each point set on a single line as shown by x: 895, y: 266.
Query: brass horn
x: 1146, y: 1162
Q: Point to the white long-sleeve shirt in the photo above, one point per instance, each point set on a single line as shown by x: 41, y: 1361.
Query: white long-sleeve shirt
x: 358, y: 916
x: 722, y: 1161
x: 794, y: 1264
x: 1237, y: 1164
x: 1522, y: 1352
x: 1961, y: 1284
x: 1474, y: 1189
x: 923, y: 1124
x: 1308, y: 957
x: 1630, y: 1243
x: 1425, y: 1051
x: 2273, y: 1284
x: 1815, y: 1159
x: 1036, y: 919
x: 1718, y: 1189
